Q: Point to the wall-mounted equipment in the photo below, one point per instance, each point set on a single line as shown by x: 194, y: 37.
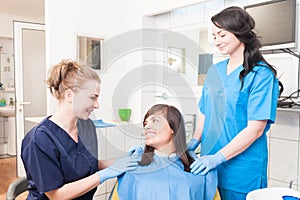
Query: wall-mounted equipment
x: 275, y: 23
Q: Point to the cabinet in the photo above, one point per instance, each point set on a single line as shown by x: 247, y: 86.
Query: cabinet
x: 7, y: 136
x: 7, y: 70
x: 284, y: 149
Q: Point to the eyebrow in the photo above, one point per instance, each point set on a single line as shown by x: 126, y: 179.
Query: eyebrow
x: 218, y: 32
x: 151, y: 117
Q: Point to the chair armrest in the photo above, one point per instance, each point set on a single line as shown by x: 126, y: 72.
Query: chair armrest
x: 17, y: 187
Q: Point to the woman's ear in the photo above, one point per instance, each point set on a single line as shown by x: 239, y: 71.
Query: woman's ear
x: 69, y: 95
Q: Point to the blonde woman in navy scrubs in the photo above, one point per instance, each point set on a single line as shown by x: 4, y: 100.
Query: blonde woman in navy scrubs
x: 237, y: 107
x: 57, y: 164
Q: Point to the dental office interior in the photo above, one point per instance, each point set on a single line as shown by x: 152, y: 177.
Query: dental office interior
x: 147, y: 52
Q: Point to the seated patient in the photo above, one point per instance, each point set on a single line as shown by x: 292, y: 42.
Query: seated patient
x: 164, y: 166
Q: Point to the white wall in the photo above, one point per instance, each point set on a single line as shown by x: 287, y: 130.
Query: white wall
x: 110, y: 19
x: 106, y: 19
x: 65, y: 18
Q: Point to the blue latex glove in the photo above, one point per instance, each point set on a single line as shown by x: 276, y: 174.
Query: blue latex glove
x: 193, y: 144
x: 117, y: 168
x: 134, y: 149
x: 193, y: 155
x: 206, y: 163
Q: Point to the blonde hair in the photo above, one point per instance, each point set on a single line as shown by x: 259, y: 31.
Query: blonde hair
x: 69, y: 75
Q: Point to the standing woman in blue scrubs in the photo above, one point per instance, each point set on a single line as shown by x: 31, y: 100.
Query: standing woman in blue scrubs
x: 57, y: 164
x: 237, y: 107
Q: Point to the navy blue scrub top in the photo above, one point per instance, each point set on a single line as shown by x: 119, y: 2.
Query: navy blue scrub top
x: 52, y: 158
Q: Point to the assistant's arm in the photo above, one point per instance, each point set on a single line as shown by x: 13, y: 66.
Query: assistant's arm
x: 244, y: 139
x: 199, y: 128
x: 108, y: 169
x: 237, y: 145
x: 74, y: 189
x: 194, y: 143
x: 80, y: 187
x: 102, y: 164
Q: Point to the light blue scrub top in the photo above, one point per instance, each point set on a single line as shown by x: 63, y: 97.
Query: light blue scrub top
x: 166, y: 179
x: 227, y: 111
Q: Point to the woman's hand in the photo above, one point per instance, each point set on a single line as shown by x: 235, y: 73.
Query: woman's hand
x: 206, y: 163
x: 135, y: 149
x: 117, y: 168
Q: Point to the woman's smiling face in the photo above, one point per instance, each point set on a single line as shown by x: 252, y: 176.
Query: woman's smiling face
x: 226, y: 41
x: 86, y: 100
x: 157, y: 131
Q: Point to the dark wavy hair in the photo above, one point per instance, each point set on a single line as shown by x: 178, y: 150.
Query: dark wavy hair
x: 176, y: 123
x: 237, y: 21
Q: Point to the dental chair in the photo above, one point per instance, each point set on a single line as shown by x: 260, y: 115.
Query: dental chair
x: 16, y: 188
x: 114, y: 193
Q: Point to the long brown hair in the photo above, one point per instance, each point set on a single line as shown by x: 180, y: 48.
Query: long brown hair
x: 176, y: 123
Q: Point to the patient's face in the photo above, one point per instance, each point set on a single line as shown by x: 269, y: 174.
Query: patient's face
x: 157, y: 131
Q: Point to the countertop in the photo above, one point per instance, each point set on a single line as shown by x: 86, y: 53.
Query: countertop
x: 116, y: 123
x: 293, y: 109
